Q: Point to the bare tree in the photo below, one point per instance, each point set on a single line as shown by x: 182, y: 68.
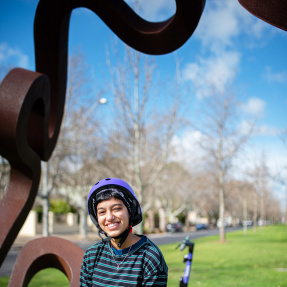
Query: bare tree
x: 140, y: 142
x: 205, y: 199
x: 172, y: 193
x: 77, y: 130
x: 239, y: 201
x: 222, y: 140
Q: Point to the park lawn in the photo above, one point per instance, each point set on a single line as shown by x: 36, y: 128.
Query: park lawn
x: 255, y: 259
x: 49, y: 277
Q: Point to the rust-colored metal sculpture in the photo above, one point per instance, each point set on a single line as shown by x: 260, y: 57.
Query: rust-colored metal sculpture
x: 31, y: 111
x: 273, y: 12
x: 24, y: 97
x: 44, y: 253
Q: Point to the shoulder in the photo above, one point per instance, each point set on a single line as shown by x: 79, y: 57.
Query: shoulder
x: 153, y: 258
x: 152, y: 248
x: 94, y: 250
x: 96, y: 246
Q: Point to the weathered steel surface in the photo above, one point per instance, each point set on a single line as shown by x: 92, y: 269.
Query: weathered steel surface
x: 273, y: 12
x: 47, y: 252
x: 31, y: 111
x: 24, y: 98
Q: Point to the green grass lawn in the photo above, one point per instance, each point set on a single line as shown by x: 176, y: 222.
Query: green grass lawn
x: 251, y: 260
x: 256, y: 259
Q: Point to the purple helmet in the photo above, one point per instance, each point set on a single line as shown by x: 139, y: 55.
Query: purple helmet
x: 105, y: 184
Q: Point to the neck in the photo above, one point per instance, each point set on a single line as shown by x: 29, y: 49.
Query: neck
x: 131, y: 239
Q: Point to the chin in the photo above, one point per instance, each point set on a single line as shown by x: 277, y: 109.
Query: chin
x: 114, y: 233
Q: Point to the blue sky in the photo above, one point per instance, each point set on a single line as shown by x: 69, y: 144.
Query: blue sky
x: 228, y: 43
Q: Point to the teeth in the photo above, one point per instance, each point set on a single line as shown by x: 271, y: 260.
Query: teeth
x: 113, y: 224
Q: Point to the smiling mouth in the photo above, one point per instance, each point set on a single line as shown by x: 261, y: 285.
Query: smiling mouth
x: 112, y: 225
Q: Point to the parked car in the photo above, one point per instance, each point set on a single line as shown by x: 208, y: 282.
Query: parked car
x: 201, y: 226
x: 227, y: 223
x: 247, y: 223
x: 174, y: 227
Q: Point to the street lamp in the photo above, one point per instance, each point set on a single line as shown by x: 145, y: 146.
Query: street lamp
x: 100, y: 101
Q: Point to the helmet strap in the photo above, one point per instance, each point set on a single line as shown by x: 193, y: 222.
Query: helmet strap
x: 124, y: 236
x: 108, y: 238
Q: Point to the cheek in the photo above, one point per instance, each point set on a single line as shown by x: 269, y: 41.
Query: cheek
x: 125, y: 218
x: 100, y: 220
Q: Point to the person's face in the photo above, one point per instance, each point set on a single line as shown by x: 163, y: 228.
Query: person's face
x: 113, y: 216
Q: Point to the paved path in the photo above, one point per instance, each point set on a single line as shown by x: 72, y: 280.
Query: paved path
x: 159, y: 239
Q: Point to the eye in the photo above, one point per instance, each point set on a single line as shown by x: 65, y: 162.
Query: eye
x: 102, y: 212
x: 117, y: 208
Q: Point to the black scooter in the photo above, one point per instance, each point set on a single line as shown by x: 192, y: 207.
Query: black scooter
x: 183, y: 282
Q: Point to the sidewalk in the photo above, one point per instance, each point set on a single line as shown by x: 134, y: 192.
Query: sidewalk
x: 73, y: 237
x: 20, y: 241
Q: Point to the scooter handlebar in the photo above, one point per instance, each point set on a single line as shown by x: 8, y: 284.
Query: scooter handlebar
x: 184, y: 243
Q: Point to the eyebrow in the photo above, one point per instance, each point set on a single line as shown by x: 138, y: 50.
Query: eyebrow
x: 119, y: 204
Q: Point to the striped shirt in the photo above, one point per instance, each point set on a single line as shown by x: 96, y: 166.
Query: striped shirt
x: 143, y: 266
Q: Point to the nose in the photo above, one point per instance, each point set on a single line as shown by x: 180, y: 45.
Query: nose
x: 110, y: 216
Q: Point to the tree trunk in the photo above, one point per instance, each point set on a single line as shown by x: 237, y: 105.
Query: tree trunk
x: 45, y: 201
x: 255, y: 211
x: 150, y: 221
x: 162, y: 220
x: 221, y: 214
x: 244, y: 217
x: 221, y: 189
x: 83, y: 223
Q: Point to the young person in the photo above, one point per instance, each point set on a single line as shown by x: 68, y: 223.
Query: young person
x: 121, y: 258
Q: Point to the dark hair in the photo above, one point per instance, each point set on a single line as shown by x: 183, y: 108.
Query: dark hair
x: 107, y: 194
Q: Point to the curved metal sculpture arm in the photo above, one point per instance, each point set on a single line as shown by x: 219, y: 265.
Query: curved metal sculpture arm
x: 155, y: 38
x: 47, y: 252
x: 273, y: 12
x: 51, y: 38
x: 24, y: 97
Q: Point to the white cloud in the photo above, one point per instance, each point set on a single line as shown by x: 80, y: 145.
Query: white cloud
x: 257, y: 29
x: 154, y: 10
x: 273, y: 77
x: 224, y: 20
x: 13, y: 56
x: 223, y: 24
x: 218, y: 24
x: 245, y: 127
x: 254, y: 107
x: 259, y: 130
x: 266, y: 130
x: 186, y: 147
x: 213, y: 72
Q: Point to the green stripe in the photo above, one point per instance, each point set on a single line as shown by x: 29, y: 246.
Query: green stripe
x: 115, y: 280
x: 116, y: 273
